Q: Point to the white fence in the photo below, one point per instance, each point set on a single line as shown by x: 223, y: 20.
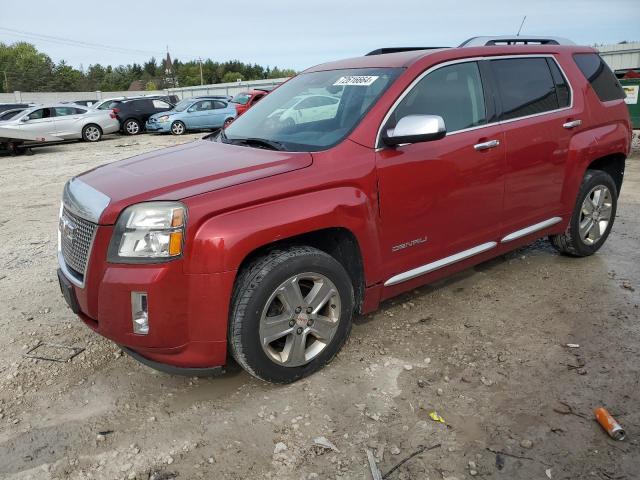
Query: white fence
x: 182, y: 92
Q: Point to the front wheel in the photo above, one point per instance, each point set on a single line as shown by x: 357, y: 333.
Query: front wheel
x: 131, y: 127
x: 291, y: 313
x: 178, y: 128
x: 592, y: 216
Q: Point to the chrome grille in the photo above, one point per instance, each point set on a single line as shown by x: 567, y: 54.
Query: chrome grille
x: 76, y: 238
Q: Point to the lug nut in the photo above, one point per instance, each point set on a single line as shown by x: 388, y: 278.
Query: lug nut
x: 309, y: 309
x: 310, y: 322
x: 298, y: 309
x: 292, y: 323
x: 299, y: 331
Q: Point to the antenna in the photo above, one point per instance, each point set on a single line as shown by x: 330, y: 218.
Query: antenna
x: 518, y: 34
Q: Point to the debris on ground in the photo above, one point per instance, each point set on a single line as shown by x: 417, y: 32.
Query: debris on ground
x: 325, y: 443
x: 610, y: 424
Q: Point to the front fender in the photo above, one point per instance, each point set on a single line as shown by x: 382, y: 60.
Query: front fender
x: 222, y: 242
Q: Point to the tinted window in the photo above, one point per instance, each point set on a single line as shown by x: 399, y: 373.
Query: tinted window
x: 525, y: 86
x: 603, y: 81
x: 219, y: 104
x: 64, y: 111
x: 204, y: 105
x: 562, y: 87
x: 453, y: 92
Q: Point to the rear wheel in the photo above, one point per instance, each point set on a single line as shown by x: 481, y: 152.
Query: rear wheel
x: 178, y: 128
x: 91, y: 133
x: 592, y: 217
x: 291, y: 313
x: 131, y: 127
x: 227, y: 122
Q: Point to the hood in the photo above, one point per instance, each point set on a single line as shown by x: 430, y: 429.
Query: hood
x: 185, y: 170
x: 166, y: 112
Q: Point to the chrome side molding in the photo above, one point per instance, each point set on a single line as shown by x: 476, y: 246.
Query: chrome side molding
x: 83, y: 200
x: 443, y: 262
x: 531, y: 229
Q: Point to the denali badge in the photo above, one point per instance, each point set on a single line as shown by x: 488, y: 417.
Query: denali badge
x: 412, y: 243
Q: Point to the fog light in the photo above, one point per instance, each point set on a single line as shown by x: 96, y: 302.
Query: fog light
x: 139, y: 313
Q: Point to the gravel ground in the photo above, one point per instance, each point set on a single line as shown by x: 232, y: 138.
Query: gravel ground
x: 485, y: 349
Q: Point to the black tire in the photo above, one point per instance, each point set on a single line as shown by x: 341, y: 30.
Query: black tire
x: 570, y: 243
x: 255, y: 285
x: 131, y: 126
x: 91, y: 133
x: 178, y: 128
x: 227, y: 122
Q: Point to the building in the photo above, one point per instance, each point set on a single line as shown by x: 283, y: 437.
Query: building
x: 621, y: 57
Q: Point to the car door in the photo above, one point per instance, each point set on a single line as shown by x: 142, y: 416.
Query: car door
x: 68, y: 121
x: 537, y: 114
x: 442, y: 201
x: 39, y: 122
x: 218, y: 114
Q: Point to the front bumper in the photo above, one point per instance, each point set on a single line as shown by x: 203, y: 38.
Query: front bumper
x: 187, y: 312
x: 164, y: 127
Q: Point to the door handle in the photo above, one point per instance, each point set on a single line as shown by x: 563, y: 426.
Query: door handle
x: 486, y: 145
x: 572, y: 124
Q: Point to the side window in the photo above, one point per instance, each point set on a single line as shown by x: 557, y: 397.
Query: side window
x: 525, y: 86
x: 160, y: 104
x: 603, y: 81
x: 324, y: 101
x: 79, y: 111
x: 306, y: 103
x: 217, y: 104
x: 453, y: 92
x: 64, y: 111
x: 257, y: 98
x: 41, y: 113
x: 562, y: 87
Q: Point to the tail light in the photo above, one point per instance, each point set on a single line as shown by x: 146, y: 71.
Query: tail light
x: 115, y: 111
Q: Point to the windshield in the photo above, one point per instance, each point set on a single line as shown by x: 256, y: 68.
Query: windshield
x: 241, y: 98
x: 182, y: 105
x: 10, y: 114
x: 312, y: 111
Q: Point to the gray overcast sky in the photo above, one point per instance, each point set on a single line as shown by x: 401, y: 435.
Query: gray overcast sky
x: 299, y: 33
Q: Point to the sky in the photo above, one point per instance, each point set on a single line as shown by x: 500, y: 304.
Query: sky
x: 295, y: 33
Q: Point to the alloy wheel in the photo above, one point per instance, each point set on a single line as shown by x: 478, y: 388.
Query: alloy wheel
x: 595, y: 214
x: 132, y: 128
x: 92, y: 134
x: 299, y: 319
x: 177, y: 128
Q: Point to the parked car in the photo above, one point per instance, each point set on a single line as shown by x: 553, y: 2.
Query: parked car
x: 64, y: 122
x: 192, y: 114
x: 245, y: 100
x: 266, y: 238
x: 86, y: 103
x: 306, y: 108
x: 134, y: 113
x: 9, y: 114
x: 110, y: 103
x: 10, y: 106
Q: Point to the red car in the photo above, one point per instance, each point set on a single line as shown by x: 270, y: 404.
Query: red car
x: 245, y: 100
x: 263, y: 241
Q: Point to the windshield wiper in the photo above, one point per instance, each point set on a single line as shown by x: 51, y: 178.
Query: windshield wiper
x: 259, y: 142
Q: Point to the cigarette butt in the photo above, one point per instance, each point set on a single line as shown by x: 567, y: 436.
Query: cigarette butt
x: 609, y: 423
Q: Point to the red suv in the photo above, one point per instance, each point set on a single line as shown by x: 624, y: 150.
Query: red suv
x: 245, y: 100
x: 264, y: 240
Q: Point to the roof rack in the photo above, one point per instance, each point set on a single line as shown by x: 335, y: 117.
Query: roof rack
x: 384, y: 50
x: 514, y: 40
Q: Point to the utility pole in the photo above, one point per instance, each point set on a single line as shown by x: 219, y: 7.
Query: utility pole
x: 6, y: 82
x: 201, y: 78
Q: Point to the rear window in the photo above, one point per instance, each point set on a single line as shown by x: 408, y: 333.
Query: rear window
x: 525, y: 85
x: 600, y: 76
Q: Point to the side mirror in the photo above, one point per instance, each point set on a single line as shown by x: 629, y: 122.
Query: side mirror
x: 415, y: 129
x: 25, y: 119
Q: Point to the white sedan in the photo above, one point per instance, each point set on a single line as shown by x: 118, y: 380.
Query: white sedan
x: 64, y: 122
x: 307, y: 108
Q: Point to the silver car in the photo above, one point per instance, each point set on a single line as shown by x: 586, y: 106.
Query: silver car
x: 64, y: 122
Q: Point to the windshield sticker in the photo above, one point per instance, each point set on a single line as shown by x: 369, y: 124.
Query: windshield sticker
x: 359, y: 80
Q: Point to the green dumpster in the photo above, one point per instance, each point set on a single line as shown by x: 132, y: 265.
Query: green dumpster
x: 631, y: 87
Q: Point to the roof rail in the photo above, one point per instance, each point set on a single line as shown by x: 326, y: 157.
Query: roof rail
x: 384, y: 50
x: 514, y: 40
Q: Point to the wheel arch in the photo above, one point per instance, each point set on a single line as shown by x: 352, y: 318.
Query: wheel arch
x: 613, y: 164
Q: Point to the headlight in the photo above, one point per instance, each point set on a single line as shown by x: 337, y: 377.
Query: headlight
x: 148, y: 232
x: 163, y: 118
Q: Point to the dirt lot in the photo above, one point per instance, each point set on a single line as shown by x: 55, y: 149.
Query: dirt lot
x: 485, y: 349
